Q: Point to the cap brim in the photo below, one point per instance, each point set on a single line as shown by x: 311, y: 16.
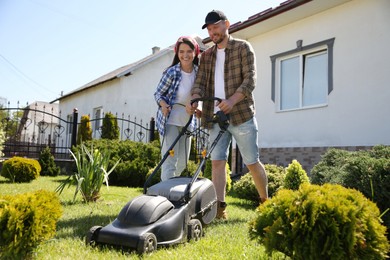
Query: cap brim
x: 212, y: 22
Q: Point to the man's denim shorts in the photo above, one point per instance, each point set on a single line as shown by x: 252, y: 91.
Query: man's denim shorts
x: 246, y: 139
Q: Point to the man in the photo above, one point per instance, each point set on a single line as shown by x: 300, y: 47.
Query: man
x: 228, y: 71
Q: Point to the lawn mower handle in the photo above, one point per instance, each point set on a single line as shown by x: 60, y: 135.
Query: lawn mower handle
x: 205, y: 99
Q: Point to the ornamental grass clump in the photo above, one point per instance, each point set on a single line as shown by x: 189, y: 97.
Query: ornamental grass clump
x: 91, y: 165
x: 321, y: 222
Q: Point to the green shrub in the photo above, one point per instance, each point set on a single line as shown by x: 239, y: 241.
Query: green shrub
x: 320, y: 222
x: 19, y: 169
x: 207, y: 174
x: 189, y: 171
x: 330, y: 169
x: 110, y: 128
x: 245, y: 187
x: 85, y: 130
x: 295, y: 176
x: 46, y: 160
x: 148, y: 155
x: 367, y: 171
x: 27, y: 220
x: 92, y: 172
x: 131, y: 173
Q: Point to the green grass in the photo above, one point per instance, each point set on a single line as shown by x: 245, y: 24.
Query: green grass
x: 223, y: 239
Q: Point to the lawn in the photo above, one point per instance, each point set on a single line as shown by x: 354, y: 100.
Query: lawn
x: 222, y: 240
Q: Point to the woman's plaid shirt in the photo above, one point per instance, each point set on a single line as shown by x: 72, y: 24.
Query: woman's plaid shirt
x: 239, y: 74
x: 167, y: 90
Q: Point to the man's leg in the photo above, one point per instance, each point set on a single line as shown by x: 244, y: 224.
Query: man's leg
x: 247, y: 141
x: 260, y: 179
x: 218, y: 165
x: 219, y: 178
x: 219, y: 181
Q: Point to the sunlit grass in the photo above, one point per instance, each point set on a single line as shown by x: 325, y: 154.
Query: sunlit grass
x: 223, y: 239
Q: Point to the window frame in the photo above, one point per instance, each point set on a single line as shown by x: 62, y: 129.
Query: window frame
x: 300, y: 51
x: 97, y: 119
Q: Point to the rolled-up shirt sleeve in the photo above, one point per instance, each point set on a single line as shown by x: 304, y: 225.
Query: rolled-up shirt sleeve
x: 248, y: 62
x: 162, y: 88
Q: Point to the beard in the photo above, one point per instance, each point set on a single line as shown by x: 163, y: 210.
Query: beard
x: 219, y: 38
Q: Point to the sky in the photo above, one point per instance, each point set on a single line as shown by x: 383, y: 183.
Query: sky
x: 49, y: 47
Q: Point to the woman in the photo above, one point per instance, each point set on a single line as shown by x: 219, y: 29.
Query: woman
x: 172, y: 94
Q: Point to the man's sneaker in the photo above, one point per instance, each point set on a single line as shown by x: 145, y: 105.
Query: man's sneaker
x: 221, y: 210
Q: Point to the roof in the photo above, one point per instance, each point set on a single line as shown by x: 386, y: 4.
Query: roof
x: 122, y: 71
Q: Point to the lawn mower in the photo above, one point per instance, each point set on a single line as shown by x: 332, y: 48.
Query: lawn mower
x: 169, y: 212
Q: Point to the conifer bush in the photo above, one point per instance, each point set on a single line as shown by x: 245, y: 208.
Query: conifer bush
x: 48, y: 165
x: 85, y: 130
x: 367, y: 171
x: 26, y: 220
x: 295, y: 176
x: 19, y: 169
x: 245, y: 187
x: 110, y: 128
x: 320, y: 222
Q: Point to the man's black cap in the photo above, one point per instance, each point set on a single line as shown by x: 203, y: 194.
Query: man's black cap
x: 214, y: 17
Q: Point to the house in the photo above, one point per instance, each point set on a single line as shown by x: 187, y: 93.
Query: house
x: 126, y: 92
x: 323, y: 79
x: 38, y: 123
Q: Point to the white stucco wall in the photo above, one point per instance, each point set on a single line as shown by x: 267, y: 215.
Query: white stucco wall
x: 358, y: 107
x: 131, y: 95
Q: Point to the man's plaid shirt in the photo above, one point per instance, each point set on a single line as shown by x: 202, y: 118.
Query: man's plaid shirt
x: 239, y: 74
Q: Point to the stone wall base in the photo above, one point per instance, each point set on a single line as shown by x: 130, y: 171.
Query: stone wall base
x: 308, y: 157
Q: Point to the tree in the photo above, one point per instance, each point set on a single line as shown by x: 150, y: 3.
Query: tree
x: 110, y: 128
x: 2, y: 140
x: 10, y: 121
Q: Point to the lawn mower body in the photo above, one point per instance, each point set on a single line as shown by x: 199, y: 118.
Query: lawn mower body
x: 161, y: 217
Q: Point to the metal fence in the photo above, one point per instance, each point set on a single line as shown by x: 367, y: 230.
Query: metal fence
x: 29, y: 130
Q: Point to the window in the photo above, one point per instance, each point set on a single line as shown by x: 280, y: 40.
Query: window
x: 69, y: 118
x: 97, y: 121
x: 302, y: 78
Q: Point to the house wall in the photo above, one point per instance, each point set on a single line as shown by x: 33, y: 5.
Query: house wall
x: 357, y: 111
x: 131, y: 95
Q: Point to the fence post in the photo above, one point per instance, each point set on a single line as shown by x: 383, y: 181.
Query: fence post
x: 151, y: 133
x: 74, y: 128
